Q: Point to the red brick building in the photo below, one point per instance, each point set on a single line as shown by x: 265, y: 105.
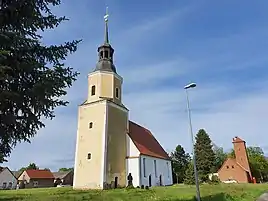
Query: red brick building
x: 236, y: 169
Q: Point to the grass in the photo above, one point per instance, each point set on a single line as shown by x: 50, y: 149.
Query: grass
x: 223, y: 192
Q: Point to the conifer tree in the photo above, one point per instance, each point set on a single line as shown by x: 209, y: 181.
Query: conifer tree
x: 220, y: 157
x: 189, y: 174
x: 33, y: 77
x: 205, y: 156
x: 180, y: 161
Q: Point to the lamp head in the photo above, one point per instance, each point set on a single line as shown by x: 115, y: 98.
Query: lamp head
x: 191, y: 85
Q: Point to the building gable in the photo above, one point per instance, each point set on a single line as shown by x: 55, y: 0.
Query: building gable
x: 7, y: 179
x: 6, y: 173
x: 24, y: 176
x: 2, y: 169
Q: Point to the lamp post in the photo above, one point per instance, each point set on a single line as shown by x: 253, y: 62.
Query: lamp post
x: 192, y: 85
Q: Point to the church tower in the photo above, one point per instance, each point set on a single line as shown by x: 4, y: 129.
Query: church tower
x: 100, y: 157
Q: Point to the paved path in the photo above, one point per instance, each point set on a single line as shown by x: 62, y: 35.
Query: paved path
x: 264, y: 197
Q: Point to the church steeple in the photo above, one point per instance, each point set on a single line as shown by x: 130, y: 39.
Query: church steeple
x: 106, y: 34
x: 105, y: 51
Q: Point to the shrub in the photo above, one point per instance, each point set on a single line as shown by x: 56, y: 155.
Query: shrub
x: 214, y: 180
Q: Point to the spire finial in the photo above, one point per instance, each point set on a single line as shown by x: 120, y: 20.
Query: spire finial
x: 106, y: 38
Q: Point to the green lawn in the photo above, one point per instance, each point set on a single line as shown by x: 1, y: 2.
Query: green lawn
x: 224, y: 192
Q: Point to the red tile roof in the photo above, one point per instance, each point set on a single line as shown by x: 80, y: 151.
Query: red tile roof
x: 39, y: 174
x: 145, y: 141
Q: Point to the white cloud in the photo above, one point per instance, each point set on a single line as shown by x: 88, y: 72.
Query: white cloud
x: 165, y: 114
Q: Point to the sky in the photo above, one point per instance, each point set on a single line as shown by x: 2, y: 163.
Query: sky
x: 159, y: 48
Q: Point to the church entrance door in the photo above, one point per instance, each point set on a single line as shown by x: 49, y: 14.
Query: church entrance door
x: 150, y: 181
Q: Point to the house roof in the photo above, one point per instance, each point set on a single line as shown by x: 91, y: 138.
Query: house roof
x: 6, y: 168
x: 2, y: 169
x: 145, y: 141
x: 40, y: 174
x: 61, y: 175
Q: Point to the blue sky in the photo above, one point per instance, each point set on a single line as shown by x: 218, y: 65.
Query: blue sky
x: 160, y: 47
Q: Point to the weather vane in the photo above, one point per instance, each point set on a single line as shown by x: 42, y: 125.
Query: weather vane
x: 106, y: 15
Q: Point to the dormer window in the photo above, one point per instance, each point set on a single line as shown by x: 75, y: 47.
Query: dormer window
x: 93, y: 90
x: 116, y: 92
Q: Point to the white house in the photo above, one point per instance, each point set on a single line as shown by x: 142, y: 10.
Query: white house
x: 147, y: 161
x: 7, y: 179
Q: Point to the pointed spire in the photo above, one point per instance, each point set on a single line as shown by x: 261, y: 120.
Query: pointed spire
x: 105, y: 51
x: 106, y: 34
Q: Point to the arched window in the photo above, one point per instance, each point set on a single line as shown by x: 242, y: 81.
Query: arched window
x: 116, y: 92
x: 93, y: 90
x: 90, y: 124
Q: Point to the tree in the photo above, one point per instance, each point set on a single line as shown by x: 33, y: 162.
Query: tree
x: 65, y: 169
x: 220, y: 157
x: 205, y: 157
x: 180, y: 160
x: 231, y: 154
x: 33, y: 77
x: 189, y: 174
x: 31, y: 166
x: 258, y: 163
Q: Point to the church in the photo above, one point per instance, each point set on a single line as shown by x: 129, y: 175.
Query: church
x: 110, y: 147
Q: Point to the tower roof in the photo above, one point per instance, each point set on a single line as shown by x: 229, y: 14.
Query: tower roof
x: 105, y: 51
x: 237, y: 139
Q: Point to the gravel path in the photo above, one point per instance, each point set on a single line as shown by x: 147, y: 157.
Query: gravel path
x: 264, y: 197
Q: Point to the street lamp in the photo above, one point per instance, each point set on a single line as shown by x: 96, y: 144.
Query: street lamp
x: 192, y: 85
